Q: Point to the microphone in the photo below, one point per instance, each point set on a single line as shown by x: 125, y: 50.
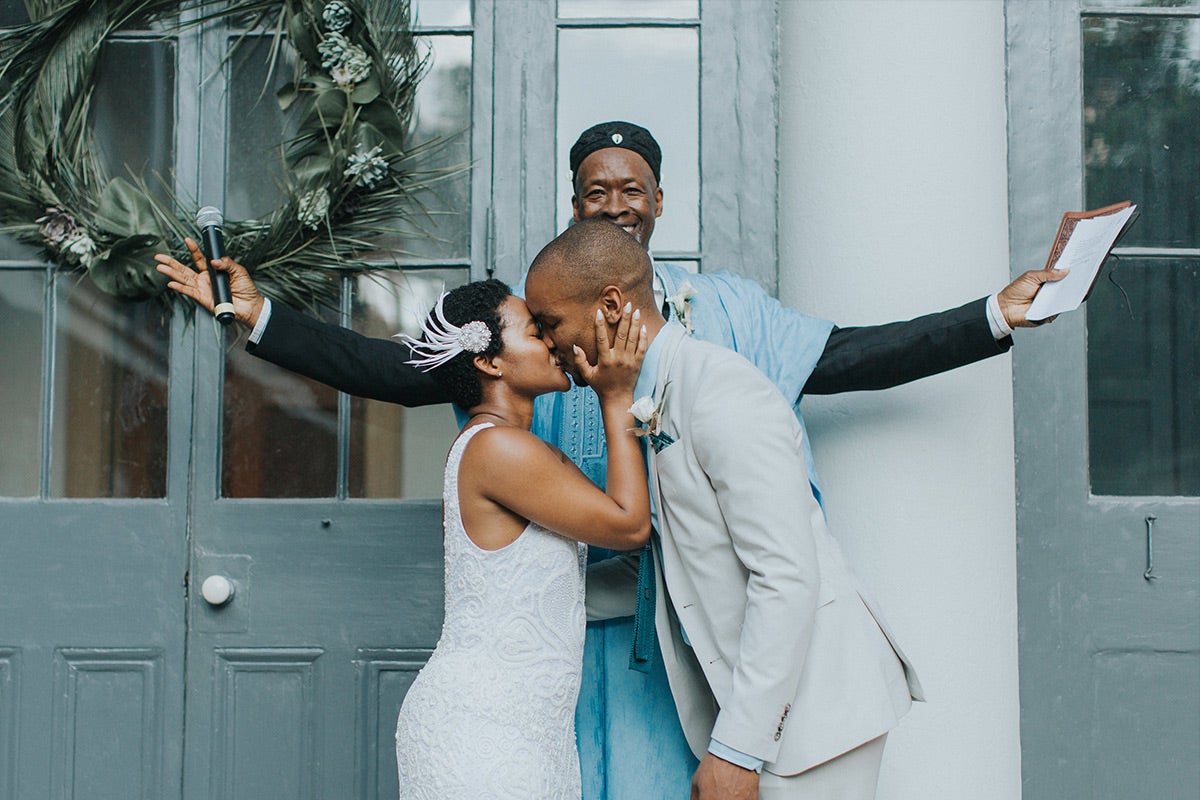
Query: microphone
x: 209, y: 220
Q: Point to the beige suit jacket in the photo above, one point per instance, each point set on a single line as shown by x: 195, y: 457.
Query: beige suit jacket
x: 784, y: 658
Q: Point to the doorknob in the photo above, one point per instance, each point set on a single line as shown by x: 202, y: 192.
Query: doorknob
x: 217, y: 590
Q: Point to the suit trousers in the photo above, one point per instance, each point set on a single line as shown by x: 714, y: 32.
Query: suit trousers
x: 851, y: 776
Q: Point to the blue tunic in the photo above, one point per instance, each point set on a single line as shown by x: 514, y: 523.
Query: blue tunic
x: 630, y: 741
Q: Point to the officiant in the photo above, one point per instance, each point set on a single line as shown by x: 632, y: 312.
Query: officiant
x: 616, y: 172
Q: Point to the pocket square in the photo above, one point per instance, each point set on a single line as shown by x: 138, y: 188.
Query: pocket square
x: 660, y: 441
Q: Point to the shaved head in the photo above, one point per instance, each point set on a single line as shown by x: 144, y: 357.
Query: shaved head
x: 593, y: 268
x: 593, y: 254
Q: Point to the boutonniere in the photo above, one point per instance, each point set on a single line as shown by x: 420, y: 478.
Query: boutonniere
x: 681, y: 304
x: 649, y: 414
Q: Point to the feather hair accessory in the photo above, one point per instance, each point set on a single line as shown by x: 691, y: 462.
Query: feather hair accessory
x: 442, y: 340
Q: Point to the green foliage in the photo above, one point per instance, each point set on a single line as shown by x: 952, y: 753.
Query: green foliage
x: 352, y: 95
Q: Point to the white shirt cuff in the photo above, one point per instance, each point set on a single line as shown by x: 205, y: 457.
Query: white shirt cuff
x: 1000, y: 327
x: 734, y: 756
x: 263, y: 318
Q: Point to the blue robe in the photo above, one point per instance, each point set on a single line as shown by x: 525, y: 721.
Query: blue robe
x: 630, y: 741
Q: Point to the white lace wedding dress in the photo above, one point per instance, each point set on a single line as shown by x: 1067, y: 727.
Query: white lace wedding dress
x: 492, y: 715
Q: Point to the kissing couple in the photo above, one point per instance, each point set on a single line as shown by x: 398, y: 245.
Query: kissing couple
x: 782, y: 671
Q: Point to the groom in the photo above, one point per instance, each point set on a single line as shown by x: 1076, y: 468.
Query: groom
x: 784, y: 677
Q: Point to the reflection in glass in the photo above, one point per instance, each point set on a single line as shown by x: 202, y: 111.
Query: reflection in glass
x: 629, y: 9
x: 596, y: 89
x: 1144, y: 379
x: 441, y: 139
x: 395, y: 451
x: 13, y: 13
x: 1141, y: 80
x: 134, y: 119
x: 280, y: 436
x: 22, y: 299
x: 12, y: 250
x: 110, y: 395
x: 257, y: 128
x: 441, y: 13
x: 1140, y: 4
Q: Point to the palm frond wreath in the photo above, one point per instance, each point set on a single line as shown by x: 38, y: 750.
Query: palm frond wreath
x: 348, y: 176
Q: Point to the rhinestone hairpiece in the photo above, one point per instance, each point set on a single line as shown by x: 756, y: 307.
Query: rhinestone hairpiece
x: 443, y: 340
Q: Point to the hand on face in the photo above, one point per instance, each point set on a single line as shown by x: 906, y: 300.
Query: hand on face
x: 618, y: 363
x: 196, y: 284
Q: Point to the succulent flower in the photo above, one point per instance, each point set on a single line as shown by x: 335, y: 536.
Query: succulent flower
x: 347, y: 63
x: 333, y: 49
x: 369, y: 167
x: 58, y: 227
x: 337, y: 16
x: 312, y: 208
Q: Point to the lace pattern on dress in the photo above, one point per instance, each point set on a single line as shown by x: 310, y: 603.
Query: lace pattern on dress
x: 492, y: 714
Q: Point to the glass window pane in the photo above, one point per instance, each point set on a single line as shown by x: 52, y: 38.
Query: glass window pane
x: 1144, y: 379
x: 668, y: 106
x: 110, y: 394
x: 280, y: 429
x: 629, y: 9
x: 1141, y: 104
x: 134, y: 110
x: 397, y: 451
x: 257, y: 129
x: 441, y: 226
x: 12, y: 250
x: 441, y: 13
x: 1141, y: 3
x: 12, y: 13
x: 22, y: 299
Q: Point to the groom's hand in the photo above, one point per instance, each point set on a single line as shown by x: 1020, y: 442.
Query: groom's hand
x: 718, y: 779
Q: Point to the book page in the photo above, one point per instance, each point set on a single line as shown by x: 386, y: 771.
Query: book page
x: 1084, y: 254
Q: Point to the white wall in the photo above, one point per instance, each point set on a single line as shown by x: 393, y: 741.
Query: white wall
x: 893, y: 204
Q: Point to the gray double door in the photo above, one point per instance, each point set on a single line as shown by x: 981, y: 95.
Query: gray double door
x: 119, y: 680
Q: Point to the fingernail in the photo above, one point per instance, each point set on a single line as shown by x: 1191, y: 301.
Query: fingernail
x: 637, y: 314
x: 628, y: 307
x: 599, y: 316
x: 643, y: 330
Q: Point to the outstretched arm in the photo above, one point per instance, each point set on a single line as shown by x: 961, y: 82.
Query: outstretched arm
x: 336, y: 356
x: 883, y: 356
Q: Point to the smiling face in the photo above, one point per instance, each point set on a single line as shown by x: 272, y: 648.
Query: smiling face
x: 618, y: 185
x: 528, y: 364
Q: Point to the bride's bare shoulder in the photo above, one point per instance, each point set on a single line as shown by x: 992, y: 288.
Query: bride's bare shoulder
x: 500, y: 444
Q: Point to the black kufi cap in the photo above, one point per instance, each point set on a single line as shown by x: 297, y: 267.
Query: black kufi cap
x: 617, y: 134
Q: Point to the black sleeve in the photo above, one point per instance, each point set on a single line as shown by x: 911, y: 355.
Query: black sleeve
x: 347, y: 361
x: 883, y: 356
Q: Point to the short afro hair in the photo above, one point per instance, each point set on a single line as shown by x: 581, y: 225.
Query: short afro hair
x: 480, y: 301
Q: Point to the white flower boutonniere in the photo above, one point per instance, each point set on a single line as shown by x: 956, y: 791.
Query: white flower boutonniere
x: 681, y: 304
x: 649, y: 414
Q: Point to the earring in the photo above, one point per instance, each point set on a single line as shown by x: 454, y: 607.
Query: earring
x: 499, y: 374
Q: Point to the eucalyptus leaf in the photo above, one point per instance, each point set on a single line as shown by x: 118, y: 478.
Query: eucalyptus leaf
x: 367, y: 91
x: 287, y: 95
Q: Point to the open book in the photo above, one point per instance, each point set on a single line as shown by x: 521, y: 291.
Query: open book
x: 1084, y: 240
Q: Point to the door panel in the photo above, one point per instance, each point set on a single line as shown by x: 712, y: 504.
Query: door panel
x: 1106, y: 402
x: 295, y: 683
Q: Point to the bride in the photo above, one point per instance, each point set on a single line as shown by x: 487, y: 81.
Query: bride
x: 492, y: 713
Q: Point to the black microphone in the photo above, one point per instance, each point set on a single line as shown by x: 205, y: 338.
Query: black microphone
x: 209, y: 220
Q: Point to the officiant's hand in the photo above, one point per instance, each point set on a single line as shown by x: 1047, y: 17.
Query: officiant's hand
x: 1016, y: 298
x: 196, y: 284
x: 718, y: 779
